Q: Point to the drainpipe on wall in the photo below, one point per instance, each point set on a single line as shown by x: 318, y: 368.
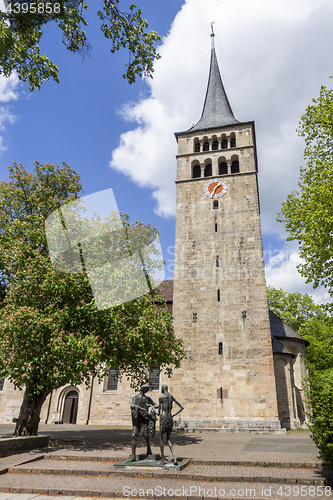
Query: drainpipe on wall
x: 90, y: 399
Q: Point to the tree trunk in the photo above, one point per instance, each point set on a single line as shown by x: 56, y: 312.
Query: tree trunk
x: 28, y: 420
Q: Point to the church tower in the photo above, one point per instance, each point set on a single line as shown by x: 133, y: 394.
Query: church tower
x: 219, y: 303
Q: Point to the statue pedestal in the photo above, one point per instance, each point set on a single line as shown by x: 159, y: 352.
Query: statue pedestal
x: 152, y: 461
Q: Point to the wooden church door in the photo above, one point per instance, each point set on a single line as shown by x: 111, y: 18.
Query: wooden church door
x: 70, y: 408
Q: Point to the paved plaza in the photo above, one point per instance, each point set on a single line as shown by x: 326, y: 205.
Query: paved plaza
x: 79, y: 463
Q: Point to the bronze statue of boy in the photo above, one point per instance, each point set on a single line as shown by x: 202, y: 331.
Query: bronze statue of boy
x: 144, y: 421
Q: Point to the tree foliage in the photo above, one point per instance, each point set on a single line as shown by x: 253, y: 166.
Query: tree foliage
x: 51, y: 332
x: 320, y: 395
x: 319, y: 333
x: 315, y: 324
x: 308, y: 217
x: 22, y: 26
x: 319, y: 389
x: 308, y: 213
x: 295, y: 309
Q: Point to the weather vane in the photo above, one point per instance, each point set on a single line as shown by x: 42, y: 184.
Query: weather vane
x: 212, y: 33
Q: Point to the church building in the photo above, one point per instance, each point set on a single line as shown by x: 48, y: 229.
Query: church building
x: 244, y: 366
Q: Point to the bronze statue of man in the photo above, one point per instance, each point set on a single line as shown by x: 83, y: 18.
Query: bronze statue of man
x: 143, y: 421
x: 166, y: 420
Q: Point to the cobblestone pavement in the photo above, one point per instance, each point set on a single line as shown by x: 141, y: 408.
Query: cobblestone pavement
x: 79, y: 464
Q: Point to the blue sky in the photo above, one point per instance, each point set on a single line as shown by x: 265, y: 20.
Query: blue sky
x: 273, y: 57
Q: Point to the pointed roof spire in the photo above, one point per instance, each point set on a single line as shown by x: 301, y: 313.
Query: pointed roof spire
x: 217, y: 111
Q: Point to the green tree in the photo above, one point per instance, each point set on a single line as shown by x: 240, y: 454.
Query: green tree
x: 308, y: 213
x: 296, y: 309
x: 319, y: 389
x: 320, y: 396
x: 21, y: 28
x: 319, y: 333
x: 308, y: 217
x: 51, y: 332
x: 315, y: 324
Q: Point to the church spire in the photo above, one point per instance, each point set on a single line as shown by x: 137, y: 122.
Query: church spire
x: 217, y: 111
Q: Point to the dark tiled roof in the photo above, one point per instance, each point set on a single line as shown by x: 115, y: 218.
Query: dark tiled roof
x: 278, y: 348
x: 217, y: 111
x: 166, y: 288
x: 280, y: 329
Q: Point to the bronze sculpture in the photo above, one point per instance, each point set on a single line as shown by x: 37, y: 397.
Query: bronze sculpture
x: 143, y: 419
x: 166, y: 420
x: 144, y: 415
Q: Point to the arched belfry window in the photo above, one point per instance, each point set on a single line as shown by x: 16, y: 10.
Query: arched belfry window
x: 215, y: 146
x: 208, y: 170
x: 233, y: 141
x: 224, y: 144
x: 197, y: 147
x: 196, y: 172
x: 235, y: 167
x: 223, y: 168
x: 206, y: 146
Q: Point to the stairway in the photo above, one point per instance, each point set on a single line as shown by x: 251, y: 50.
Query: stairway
x: 91, y: 475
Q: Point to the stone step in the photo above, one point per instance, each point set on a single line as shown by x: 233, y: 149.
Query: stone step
x: 112, y: 458
x: 193, y: 472
x: 152, y: 487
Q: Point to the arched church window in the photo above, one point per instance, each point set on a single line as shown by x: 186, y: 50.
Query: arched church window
x: 113, y: 379
x: 215, y: 204
x: 223, y: 168
x: 224, y: 144
x: 196, y: 171
x: 208, y: 170
x: 154, y: 378
x: 197, y: 147
x: 235, y: 167
x: 215, y: 145
x: 206, y: 146
x: 233, y: 142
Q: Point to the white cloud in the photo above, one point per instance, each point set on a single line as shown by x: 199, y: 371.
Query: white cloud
x: 281, y: 272
x: 6, y: 117
x: 8, y: 92
x: 271, y: 64
x: 8, y: 88
x: 140, y: 154
x: 273, y: 58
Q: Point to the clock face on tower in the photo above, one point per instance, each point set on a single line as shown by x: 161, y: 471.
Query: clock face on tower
x: 215, y: 188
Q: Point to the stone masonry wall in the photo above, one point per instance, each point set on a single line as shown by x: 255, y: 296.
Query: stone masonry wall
x: 209, y: 301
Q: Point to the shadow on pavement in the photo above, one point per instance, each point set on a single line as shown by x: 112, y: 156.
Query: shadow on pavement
x: 112, y: 439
